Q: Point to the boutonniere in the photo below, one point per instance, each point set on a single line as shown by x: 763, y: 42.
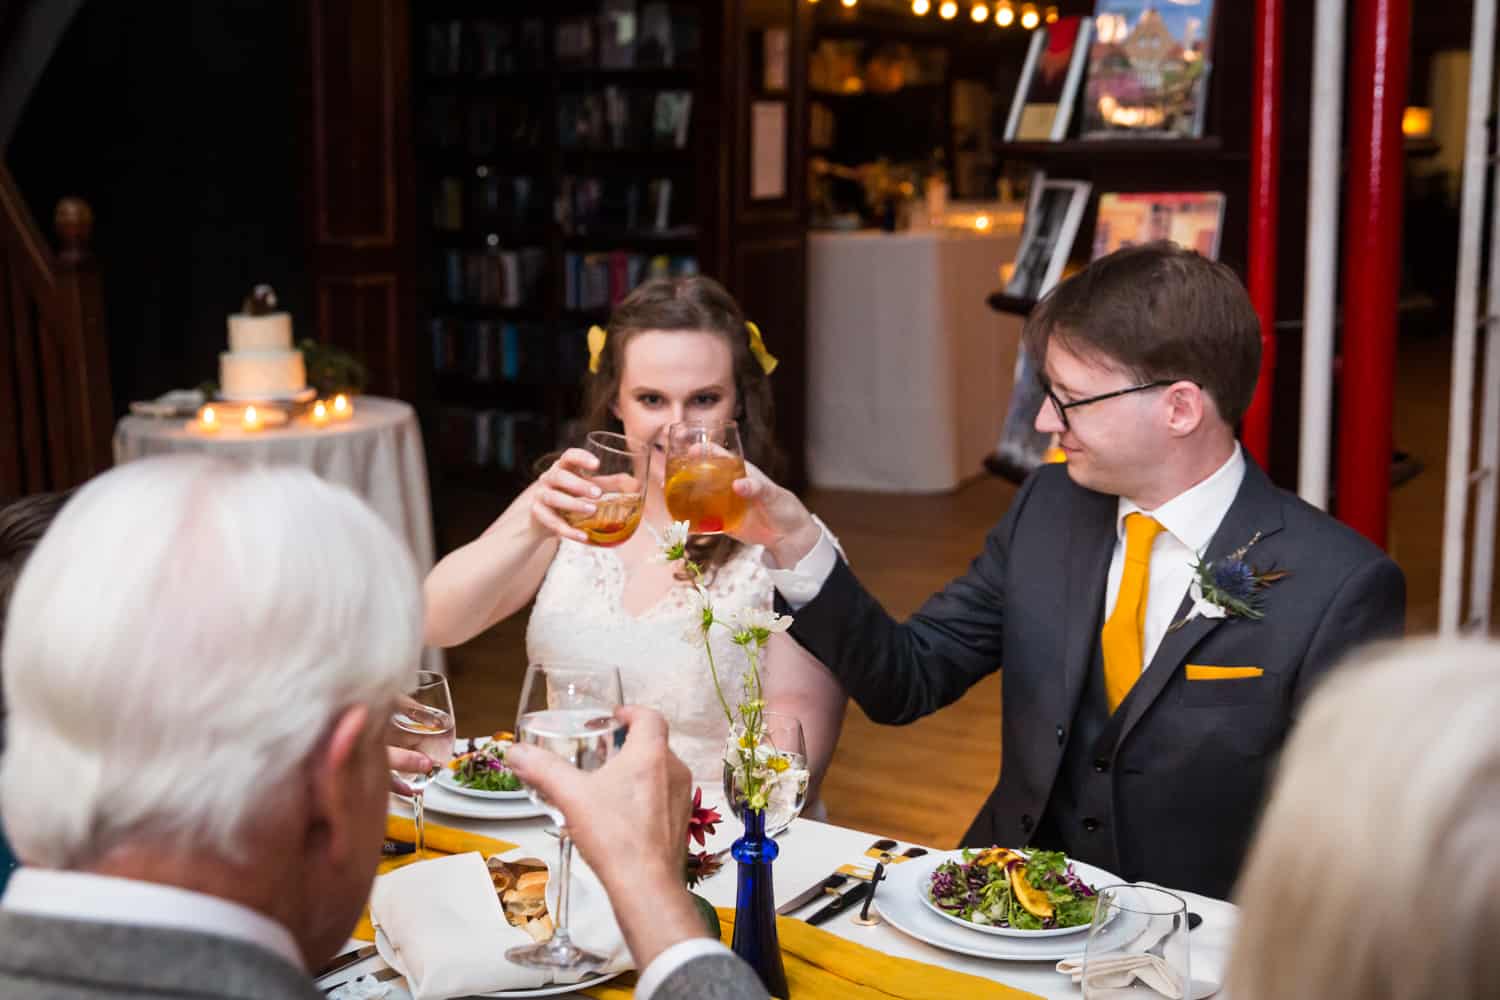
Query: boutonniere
x: 1228, y: 587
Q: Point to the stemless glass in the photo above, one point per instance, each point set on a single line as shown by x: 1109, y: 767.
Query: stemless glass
x: 781, y: 737
x: 423, y: 721
x: 623, y: 475
x: 567, y: 708
x: 703, y: 461
x: 1138, y: 944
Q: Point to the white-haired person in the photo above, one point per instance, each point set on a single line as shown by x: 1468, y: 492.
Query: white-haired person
x: 200, y: 663
x: 1375, y: 874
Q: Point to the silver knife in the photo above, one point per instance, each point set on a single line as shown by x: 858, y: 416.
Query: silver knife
x: 344, y: 961
x: 813, y: 892
x: 383, y: 976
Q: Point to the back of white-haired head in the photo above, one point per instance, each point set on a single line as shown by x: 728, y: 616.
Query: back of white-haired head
x: 179, y: 643
x: 1376, y: 871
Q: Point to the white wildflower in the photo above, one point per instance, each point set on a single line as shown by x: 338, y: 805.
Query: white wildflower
x: 759, y: 621
x: 674, y: 542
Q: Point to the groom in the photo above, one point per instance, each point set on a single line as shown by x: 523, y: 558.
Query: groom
x: 1141, y: 715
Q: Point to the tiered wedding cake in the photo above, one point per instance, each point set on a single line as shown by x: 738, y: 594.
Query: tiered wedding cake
x: 261, y: 362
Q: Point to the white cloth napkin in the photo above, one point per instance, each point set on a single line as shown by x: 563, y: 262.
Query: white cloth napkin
x: 449, y: 934
x: 1118, y: 970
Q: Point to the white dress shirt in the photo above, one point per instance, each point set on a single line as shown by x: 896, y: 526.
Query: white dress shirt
x: 1190, y: 520
x: 68, y: 895
x: 673, y: 959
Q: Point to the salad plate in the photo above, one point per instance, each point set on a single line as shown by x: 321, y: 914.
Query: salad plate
x: 1092, y: 877
x: 901, y: 904
x: 440, y: 800
x: 486, y: 766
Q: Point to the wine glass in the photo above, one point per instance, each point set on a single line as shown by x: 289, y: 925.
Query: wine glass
x: 567, y: 708
x: 781, y: 738
x: 423, y: 721
x: 703, y: 461
x: 623, y: 476
x: 1138, y: 944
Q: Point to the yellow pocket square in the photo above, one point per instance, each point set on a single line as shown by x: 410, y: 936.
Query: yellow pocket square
x: 1198, y: 672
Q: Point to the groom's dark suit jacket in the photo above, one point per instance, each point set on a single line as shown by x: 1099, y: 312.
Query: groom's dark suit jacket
x: 1167, y: 788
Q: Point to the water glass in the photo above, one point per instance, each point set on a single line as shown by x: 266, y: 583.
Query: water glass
x: 423, y: 721
x: 1137, y: 945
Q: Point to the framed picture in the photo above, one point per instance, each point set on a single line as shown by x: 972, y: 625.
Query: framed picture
x: 1191, y: 219
x: 1054, y: 210
x: 1148, y: 69
x: 1043, y: 105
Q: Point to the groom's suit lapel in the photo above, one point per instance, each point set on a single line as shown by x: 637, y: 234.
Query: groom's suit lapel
x: 1256, y: 508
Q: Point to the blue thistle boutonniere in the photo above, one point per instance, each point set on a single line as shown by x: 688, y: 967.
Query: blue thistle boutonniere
x: 1228, y: 587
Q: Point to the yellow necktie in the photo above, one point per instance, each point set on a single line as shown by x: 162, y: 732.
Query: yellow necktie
x: 1121, y: 636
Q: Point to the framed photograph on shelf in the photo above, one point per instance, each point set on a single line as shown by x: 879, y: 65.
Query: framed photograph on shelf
x: 1148, y: 70
x: 1191, y: 219
x: 1054, y: 211
x: 1043, y: 105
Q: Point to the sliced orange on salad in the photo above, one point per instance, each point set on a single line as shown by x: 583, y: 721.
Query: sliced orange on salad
x: 1033, y: 900
x: 997, y: 857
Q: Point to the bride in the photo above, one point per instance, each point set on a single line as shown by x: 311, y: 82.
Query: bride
x: 676, y: 349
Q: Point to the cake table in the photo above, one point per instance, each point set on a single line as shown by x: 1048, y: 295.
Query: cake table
x: 376, y: 453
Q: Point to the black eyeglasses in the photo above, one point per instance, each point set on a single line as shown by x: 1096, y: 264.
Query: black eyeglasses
x: 1063, y: 408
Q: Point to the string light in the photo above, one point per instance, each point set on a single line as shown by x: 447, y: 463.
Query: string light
x: 849, y: 3
x: 949, y: 10
x: 921, y: 7
x: 1051, y: 16
x: 979, y: 13
x: 1005, y: 15
x: 1029, y: 17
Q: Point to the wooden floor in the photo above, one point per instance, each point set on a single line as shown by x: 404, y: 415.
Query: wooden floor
x: 923, y: 783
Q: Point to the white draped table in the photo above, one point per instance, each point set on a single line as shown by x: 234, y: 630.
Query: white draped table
x: 811, y: 850
x: 377, y: 454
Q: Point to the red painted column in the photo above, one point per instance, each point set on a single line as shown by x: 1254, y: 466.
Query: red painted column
x: 1372, y: 262
x: 1265, y: 201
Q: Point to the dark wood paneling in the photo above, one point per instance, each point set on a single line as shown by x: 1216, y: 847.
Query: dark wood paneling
x: 362, y: 314
x: 770, y: 277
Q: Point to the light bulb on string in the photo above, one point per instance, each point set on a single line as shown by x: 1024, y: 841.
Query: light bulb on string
x: 1051, y: 15
x: 921, y: 7
x: 949, y: 10
x: 979, y: 13
x: 1029, y: 17
x: 1005, y: 14
x: 849, y: 3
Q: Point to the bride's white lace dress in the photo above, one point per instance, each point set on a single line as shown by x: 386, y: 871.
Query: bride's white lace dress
x: 580, y: 614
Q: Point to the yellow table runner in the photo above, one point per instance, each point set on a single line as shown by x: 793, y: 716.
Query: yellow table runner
x: 440, y: 840
x: 823, y: 965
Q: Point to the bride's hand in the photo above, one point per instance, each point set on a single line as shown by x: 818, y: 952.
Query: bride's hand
x: 775, y: 518
x: 563, y: 490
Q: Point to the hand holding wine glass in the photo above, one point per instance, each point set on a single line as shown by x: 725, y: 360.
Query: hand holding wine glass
x: 568, y: 709
x: 422, y: 721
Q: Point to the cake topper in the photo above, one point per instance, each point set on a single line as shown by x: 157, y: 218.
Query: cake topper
x: 260, y: 302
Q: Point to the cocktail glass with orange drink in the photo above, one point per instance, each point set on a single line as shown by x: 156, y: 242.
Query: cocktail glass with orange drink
x: 623, y: 476
x: 703, y: 461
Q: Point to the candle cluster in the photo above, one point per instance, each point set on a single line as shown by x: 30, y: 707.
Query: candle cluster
x: 211, y: 419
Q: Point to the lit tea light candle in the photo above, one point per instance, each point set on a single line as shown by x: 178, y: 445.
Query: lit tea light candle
x: 208, y: 420
x: 320, y: 413
x: 342, y: 408
x: 251, y: 420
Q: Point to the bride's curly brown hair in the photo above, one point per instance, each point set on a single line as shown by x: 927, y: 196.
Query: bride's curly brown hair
x: 695, y: 304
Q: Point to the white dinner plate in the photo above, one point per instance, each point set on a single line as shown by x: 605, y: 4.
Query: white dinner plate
x: 440, y: 800
x: 1094, y: 877
x: 900, y: 903
x: 386, y: 952
x: 449, y: 780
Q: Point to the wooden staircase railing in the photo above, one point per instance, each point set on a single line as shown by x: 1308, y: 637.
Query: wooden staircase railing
x: 56, y: 413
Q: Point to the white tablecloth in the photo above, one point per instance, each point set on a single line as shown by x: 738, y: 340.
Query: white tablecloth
x: 810, y: 851
x: 377, y: 453
x: 909, y: 371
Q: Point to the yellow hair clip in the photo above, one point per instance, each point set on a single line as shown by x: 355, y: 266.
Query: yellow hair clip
x: 767, y: 360
x: 597, y: 336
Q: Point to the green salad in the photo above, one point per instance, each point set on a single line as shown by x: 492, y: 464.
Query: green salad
x: 483, y: 769
x: 1003, y: 888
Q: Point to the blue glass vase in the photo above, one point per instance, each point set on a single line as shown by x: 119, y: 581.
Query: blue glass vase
x: 755, y: 906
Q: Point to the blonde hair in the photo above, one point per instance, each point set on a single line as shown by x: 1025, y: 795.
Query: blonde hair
x: 178, y: 645
x: 1376, y: 871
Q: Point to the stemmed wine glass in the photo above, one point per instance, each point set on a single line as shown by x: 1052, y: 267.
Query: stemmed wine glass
x: 703, y: 461
x: 623, y: 477
x: 781, y: 736
x: 423, y: 721
x: 567, y: 708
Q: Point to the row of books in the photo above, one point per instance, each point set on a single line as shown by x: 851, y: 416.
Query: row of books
x: 493, y: 438
x: 491, y: 200
x: 612, y: 204
x: 600, y: 280
x: 1142, y: 69
x: 488, y: 351
x: 622, y: 35
x: 482, y: 126
x: 624, y: 118
x: 494, y: 277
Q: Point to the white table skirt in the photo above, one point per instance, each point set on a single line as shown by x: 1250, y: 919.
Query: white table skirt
x: 811, y: 850
x: 909, y: 370
x: 377, y: 454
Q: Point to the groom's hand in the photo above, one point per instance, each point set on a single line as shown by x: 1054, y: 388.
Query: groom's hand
x: 775, y: 518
